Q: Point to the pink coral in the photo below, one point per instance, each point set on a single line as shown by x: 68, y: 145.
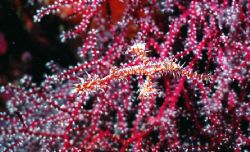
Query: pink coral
x: 122, y: 95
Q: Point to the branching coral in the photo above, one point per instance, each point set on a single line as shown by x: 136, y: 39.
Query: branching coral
x: 122, y: 94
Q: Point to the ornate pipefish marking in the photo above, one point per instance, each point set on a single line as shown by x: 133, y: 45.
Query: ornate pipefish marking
x: 147, y: 68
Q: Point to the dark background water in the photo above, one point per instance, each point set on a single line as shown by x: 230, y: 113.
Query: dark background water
x: 30, y: 45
